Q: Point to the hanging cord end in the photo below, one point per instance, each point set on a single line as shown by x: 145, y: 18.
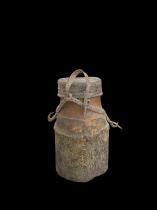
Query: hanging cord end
x: 114, y: 124
x: 51, y: 116
x: 119, y: 127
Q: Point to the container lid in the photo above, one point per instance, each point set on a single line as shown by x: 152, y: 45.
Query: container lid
x: 78, y: 87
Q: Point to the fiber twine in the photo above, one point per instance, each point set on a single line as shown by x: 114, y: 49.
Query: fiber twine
x: 68, y: 97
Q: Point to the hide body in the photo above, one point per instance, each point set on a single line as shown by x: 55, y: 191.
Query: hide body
x: 81, y: 129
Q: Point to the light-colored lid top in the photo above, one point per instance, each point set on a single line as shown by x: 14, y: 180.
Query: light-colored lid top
x: 78, y: 87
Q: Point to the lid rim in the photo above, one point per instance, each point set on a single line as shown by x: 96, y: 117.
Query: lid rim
x: 78, y: 87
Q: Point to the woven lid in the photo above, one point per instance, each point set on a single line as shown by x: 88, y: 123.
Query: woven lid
x: 78, y: 87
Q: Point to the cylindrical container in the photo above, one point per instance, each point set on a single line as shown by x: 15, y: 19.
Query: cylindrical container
x: 81, y: 129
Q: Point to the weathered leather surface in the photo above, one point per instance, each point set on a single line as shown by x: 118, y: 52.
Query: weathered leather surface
x: 81, y: 148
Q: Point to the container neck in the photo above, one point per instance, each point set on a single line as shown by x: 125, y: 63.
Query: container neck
x: 71, y: 109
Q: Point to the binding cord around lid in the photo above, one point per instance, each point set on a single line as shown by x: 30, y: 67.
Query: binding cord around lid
x: 84, y: 105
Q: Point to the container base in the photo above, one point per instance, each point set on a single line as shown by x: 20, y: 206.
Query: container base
x: 81, y: 179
